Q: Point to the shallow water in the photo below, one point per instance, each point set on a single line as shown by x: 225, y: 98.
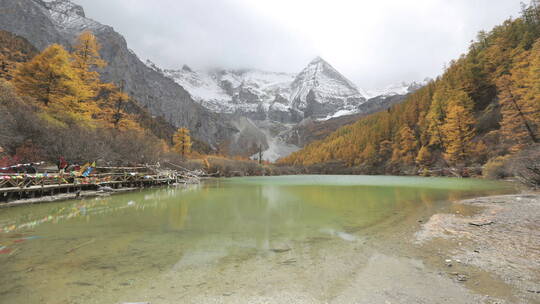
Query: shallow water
x: 224, y: 238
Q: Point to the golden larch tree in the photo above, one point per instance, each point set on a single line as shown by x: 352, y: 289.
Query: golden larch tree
x: 5, y: 67
x: 519, y: 96
x: 113, y: 106
x: 182, y: 142
x: 436, y: 115
x: 406, y: 146
x: 385, y: 150
x: 424, y: 157
x: 87, y: 61
x: 49, y: 77
x: 369, y: 155
x: 458, y: 129
x: 533, y: 95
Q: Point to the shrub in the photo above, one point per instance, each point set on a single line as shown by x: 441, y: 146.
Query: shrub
x: 496, y: 168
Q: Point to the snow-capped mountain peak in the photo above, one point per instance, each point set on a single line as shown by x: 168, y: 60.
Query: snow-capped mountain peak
x: 320, y: 90
x: 317, y: 60
x: 402, y: 88
x: 321, y: 75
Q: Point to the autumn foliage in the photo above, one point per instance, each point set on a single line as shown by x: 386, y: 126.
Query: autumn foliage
x: 182, y: 142
x: 56, y: 104
x: 68, y: 88
x: 485, y: 105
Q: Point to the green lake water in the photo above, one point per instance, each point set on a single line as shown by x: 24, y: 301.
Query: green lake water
x: 222, y: 238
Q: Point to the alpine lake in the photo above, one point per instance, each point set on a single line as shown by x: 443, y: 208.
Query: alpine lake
x: 287, y: 239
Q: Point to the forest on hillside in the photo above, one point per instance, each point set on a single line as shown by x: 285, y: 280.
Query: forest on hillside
x: 54, y: 105
x: 484, y: 109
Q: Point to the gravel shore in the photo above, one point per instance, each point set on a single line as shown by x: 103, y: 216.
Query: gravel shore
x: 503, y: 239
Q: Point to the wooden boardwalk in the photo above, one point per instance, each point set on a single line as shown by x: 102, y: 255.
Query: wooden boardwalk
x: 20, y: 186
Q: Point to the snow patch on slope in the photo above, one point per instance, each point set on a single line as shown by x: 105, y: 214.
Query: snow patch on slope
x: 70, y: 16
x: 231, y: 91
x: 403, y: 88
x: 203, y: 87
x: 339, y: 114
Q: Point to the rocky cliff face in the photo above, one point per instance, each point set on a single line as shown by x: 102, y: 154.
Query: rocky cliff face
x: 44, y: 23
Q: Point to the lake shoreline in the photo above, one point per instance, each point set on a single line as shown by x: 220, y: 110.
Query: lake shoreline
x: 500, y: 240
x: 101, y: 193
x: 67, y: 196
x: 84, y: 194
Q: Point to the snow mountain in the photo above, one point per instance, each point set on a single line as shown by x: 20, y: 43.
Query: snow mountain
x: 319, y: 91
x: 249, y: 92
x: 269, y: 108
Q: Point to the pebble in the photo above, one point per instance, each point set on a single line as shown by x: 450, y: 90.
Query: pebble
x: 280, y: 250
x: 462, y: 278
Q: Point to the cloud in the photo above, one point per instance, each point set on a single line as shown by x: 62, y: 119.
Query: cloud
x: 374, y: 43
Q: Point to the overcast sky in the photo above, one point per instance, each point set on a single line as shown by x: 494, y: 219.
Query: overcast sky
x: 374, y: 43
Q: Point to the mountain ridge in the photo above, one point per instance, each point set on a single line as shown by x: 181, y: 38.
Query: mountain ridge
x: 44, y: 23
x: 278, y: 95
